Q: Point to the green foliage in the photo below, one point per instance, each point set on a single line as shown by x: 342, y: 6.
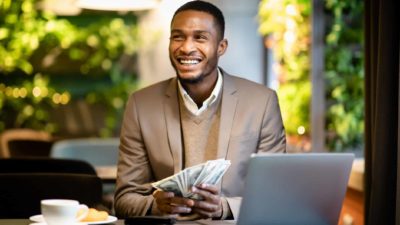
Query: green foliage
x: 20, y: 33
x: 27, y: 105
x: 287, y: 24
x: 37, y: 47
x: 344, y: 74
x: 114, y: 98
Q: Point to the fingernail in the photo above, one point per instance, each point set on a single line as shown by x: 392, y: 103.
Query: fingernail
x: 194, y: 189
x: 191, y: 203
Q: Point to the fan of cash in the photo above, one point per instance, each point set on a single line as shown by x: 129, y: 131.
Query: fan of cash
x: 180, y: 183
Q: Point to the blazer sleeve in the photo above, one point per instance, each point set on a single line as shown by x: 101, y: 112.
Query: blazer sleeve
x: 133, y: 189
x: 272, y: 137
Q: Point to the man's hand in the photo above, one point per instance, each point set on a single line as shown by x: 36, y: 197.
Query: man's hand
x: 167, y: 203
x: 211, y: 206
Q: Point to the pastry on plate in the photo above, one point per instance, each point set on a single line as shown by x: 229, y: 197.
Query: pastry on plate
x: 94, y: 215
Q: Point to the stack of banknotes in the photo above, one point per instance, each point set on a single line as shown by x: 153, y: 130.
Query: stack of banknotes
x: 181, y: 183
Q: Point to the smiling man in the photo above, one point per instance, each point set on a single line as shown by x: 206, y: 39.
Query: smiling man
x: 202, y: 114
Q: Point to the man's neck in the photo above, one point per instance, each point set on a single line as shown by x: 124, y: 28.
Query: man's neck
x: 202, y: 90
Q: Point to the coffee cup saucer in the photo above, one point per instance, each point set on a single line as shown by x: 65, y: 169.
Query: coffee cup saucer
x: 39, y: 220
x: 44, y: 223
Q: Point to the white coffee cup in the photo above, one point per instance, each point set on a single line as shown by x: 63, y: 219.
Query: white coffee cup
x: 62, y: 211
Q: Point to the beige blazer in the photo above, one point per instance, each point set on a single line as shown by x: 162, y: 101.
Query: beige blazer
x: 151, y: 139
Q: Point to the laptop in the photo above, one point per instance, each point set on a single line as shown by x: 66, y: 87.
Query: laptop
x: 301, y: 188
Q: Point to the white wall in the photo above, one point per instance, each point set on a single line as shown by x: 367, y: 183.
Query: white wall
x: 245, y: 49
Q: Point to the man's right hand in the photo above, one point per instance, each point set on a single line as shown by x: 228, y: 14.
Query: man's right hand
x: 167, y: 203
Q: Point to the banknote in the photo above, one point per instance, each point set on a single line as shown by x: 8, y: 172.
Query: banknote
x: 210, y: 172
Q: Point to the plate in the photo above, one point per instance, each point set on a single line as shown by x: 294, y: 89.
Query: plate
x: 44, y: 223
x: 110, y: 219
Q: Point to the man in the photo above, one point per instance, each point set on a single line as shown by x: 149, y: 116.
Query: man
x: 203, y: 114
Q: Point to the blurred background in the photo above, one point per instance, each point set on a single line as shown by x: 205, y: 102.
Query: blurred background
x: 67, y: 67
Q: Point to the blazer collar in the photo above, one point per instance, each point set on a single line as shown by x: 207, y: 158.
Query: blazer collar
x: 228, y: 109
x: 173, y: 123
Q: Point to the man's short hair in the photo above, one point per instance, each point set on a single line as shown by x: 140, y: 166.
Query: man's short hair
x: 207, y: 7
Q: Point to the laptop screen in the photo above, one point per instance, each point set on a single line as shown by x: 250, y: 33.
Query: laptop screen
x: 301, y: 188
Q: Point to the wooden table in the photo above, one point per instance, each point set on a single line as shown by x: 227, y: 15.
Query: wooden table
x: 107, y: 173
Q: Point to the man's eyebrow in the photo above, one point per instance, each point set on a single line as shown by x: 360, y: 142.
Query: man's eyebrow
x: 196, y: 31
x: 176, y: 30
x: 202, y: 31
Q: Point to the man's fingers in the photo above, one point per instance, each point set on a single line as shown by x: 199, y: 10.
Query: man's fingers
x: 162, y: 194
x: 207, y: 195
x: 206, y: 214
x: 206, y: 206
x: 203, y: 214
x: 182, y: 201
x: 211, y: 206
x: 174, y: 209
x: 169, y: 204
x: 208, y: 187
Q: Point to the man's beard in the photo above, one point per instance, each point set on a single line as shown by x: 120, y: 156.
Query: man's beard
x: 193, y: 80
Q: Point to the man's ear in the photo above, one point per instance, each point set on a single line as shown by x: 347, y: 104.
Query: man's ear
x: 222, y: 46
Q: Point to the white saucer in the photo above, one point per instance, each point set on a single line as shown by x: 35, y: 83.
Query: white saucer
x: 40, y: 220
x: 44, y: 223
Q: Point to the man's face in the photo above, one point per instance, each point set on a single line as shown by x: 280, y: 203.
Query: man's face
x: 194, y: 46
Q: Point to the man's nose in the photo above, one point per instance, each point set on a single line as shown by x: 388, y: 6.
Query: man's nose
x: 187, y: 46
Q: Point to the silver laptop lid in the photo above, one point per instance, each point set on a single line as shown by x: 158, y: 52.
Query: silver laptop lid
x: 306, y: 188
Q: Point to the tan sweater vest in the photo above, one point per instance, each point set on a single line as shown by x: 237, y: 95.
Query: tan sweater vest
x: 200, y: 133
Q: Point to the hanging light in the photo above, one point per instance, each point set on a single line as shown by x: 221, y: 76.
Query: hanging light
x: 117, y: 5
x: 62, y: 8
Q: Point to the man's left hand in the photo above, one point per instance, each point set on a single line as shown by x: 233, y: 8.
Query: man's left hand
x: 211, y: 206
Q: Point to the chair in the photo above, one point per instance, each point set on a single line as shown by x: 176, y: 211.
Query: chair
x: 50, y: 165
x: 99, y: 152
x: 96, y: 151
x: 20, y: 194
x: 45, y: 165
x: 25, y: 143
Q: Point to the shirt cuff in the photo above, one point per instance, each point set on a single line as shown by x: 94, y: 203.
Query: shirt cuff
x: 226, y: 210
x: 154, y: 209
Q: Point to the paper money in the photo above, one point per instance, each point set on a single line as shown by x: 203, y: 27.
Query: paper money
x: 210, y: 172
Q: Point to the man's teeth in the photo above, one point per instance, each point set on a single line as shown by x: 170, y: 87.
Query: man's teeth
x: 187, y: 61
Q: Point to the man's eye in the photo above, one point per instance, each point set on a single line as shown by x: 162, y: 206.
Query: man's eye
x: 201, y: 37
x: 177, y: 37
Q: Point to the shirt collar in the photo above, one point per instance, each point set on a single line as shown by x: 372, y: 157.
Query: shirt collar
x: 192, y: 106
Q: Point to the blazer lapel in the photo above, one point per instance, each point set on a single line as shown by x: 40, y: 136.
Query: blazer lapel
x: 228, y: 107
x: 172, y: 120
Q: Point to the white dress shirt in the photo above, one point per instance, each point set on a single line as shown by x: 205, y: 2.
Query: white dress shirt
x: 192, y: 106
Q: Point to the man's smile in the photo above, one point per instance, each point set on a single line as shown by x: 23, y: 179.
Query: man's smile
x: 188, y: 61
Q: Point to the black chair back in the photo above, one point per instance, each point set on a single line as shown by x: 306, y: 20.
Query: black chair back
x: 20, y: 194
x: 45, y: 165
x: 25, y: 143
x: 29, y: 148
